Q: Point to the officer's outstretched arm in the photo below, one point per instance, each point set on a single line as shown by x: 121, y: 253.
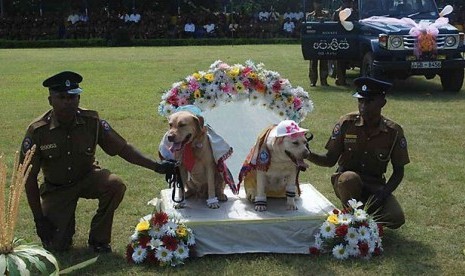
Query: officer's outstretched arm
x: 134, y: 156
x: 327, y: 159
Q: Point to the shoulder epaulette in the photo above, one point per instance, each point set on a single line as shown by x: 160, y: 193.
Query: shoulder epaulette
x: 88, y: 113
x: 40, y: 121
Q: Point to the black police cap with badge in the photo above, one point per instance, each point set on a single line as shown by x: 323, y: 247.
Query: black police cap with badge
x: 64, y: 82
x: 370, y: 88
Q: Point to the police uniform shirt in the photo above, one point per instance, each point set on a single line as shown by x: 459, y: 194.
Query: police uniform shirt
x: 368, y: 155
x: 66, y: 155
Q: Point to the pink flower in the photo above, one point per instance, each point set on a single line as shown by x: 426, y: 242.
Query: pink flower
x: 276, y: 86
x: 193, y: 84
x: 297, y: 103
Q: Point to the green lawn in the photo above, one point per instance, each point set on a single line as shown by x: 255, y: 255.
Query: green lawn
x: 125, y: 86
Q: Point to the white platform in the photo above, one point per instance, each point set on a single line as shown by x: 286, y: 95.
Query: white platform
x: 237, y: 228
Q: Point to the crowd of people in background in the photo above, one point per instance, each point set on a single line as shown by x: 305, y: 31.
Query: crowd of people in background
x: 151, y: 25
x: 104, y: 23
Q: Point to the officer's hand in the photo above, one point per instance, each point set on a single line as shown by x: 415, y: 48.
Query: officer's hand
x: 166, y: 167
x: 45, y: 230
x: 308, y: 137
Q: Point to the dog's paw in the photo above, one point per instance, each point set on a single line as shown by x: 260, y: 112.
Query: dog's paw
x: 179, y: 205
x: 213, y: 203
x: 260, y: 208
x: 223, y: 197
x: 292, y: 207
x: 213, y: 206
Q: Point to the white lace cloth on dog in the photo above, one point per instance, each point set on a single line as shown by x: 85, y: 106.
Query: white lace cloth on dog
x: 221, y: 151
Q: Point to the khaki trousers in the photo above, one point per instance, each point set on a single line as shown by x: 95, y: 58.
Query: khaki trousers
x: 348, y: 185
x: 59, y: 205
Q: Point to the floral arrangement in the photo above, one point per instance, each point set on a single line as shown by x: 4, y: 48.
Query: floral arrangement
x: 223, y: 83
x: 160, y: 240
x: 351, y: 232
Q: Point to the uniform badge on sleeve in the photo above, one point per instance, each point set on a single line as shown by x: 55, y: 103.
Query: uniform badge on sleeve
x: 106, y: 126
x: 336, y: 131
x: 403, y: 142
x: 27, y: 144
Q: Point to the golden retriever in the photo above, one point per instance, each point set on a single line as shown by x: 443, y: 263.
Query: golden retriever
x: 192, y: 147
x: 283, y: 152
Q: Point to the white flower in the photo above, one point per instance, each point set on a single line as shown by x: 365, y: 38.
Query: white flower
x: 352, y: 250
x: 191, y: 238
x: 360, y: 215
x: 181, y: 252
x: 352, y: 235
x: 155, y: 242
x: 364, y: 233
x: 340, y: 252
x: 354, y: 203
x: 139, y: 254
x: 163, y: 254
x: 155, y: 232
x: 169, y: 228
x: 134, y: 237
x: 327, y: 230
x: 345, y: 219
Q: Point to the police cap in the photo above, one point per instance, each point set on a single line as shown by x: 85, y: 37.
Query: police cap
x: 369, y: 87
x: 64, y: 82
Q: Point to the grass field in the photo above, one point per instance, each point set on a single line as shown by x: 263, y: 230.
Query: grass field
x: 125, y: 86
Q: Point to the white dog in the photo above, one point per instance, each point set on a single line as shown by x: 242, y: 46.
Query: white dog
x: 276, y: 159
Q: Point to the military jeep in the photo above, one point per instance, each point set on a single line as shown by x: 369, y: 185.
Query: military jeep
x: 390, y: 39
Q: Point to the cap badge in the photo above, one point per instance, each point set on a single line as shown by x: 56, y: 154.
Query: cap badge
x: 364, y: 88
x: 67, y: 83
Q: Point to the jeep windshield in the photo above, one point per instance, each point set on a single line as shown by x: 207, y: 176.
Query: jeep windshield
x: 415, y: 9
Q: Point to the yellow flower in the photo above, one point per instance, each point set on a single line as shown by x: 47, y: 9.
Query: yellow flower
x: 333, y: 219
x: 181, y: 231
x: 209, y: 77
x: 239, y: 87
x: 252, y: 75
x: 290, y: 100
x: 143, y: 226
x: 184, y: 86
x: 234, y: 72
x: 197, y: 94
x: 197, y: 76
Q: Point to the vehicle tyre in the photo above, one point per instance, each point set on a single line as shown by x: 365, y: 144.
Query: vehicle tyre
x: 452, y: 80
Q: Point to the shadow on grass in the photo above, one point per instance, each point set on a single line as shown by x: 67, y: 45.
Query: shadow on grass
x: 401, y: 256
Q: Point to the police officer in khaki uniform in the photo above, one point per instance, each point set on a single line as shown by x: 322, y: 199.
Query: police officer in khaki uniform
x: 363, y: 143
x: 66, y: 138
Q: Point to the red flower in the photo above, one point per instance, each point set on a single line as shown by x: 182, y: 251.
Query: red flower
x: 377, y: 251
x: 314, y: 251
x: 364, y: 223
x: 129, y: 251
x: 144, y: 241
x: 246, y: 71
x: 341, y: 230
x: 260, y: 86
x: 363, y: 247
x: 336, y: 211
x: 151, y: 259
x: 160, y: 218
x: 380, y: 229
x: 170, y: 243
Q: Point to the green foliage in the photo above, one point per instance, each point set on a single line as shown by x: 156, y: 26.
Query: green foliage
x: 125, y: 85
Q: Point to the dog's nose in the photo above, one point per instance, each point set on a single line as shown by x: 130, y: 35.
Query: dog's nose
x: 171, y: 138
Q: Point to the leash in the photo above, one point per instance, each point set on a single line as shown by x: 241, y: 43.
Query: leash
x: 175, y: 182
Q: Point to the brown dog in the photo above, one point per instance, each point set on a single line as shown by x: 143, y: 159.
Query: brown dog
x: 192, y: 147
x: 280, y: 152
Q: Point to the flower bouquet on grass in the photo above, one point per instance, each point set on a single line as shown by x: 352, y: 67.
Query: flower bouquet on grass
x: 351, y: 232
x: 161, y: 240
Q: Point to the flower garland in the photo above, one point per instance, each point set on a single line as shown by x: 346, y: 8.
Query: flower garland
x: 223, y: 83
x: 351, y: 232
x: 161, y: 240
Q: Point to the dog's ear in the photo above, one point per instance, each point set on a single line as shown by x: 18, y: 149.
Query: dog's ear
x: 199, y: 123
